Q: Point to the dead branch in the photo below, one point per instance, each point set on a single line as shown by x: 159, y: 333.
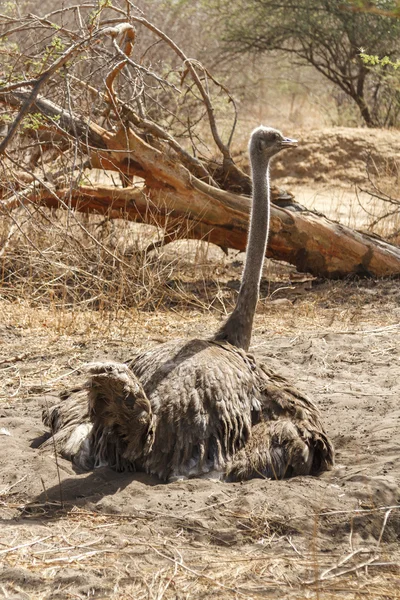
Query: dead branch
x: 31, y: 97
x: 312, y: 243
x: 187, y: 195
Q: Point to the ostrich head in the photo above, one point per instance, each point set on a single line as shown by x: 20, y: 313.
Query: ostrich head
x: 265, y: 142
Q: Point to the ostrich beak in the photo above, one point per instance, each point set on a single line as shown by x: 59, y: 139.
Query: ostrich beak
x: 289, y: 143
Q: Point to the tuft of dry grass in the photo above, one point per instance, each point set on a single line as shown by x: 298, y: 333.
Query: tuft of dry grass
x: 78, y: 262
x: 39, y: 339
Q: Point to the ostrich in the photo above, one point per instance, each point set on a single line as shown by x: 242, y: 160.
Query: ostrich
x: 200, y: 407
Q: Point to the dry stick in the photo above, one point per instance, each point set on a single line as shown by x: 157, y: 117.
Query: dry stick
x: 380, y: 195
x: 79, y: 6
x: 10, y: 487
x: 25, y: 545
x: 342, y: 562
x: 19, y: 84
x: 70, y: 559
x: 50, y: 25
x: 389, y: 213
x: 369, y: 562
x: 385, y: 520
x: 197, y: 574
x: 378, y: 190
x: 126, y: 56
x: 227, y: 92
x: 15, y: 197
x: 359, y: 511
x: 27, y: 105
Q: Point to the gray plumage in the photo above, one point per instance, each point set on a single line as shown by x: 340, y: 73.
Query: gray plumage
x: 200, y: 407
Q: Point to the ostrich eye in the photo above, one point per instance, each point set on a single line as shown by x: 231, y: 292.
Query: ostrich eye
x: 262, y: 144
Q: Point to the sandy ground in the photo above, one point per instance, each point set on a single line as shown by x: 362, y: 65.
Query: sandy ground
x: 109, y: 535
x: 116, y: 536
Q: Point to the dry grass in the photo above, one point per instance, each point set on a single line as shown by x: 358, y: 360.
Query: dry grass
x: 74, y: 261
x: 85, y: 553
x: 81, y: 552
x: 287, y: 308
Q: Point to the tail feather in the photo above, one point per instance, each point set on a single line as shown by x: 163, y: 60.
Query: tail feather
x: 118, y: 405
x: 108, y: 421
x: 69, y: 424
x: 281, y: 449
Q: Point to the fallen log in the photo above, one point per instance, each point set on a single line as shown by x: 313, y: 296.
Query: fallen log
x: 171, y: 197
x: 185, y: 206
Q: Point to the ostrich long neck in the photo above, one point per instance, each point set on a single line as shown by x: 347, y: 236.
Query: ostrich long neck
x: 238, y: 327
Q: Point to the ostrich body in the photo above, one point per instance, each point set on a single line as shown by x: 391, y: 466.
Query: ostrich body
x: 192, y: 408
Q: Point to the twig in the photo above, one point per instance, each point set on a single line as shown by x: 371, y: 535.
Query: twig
x: 10, y: 487
x: 27, y: 105
x: 289, y: 539
x: 197, y: 574
x: 139, y: 67
x: 70, y: 559
x: 366, y: 563
x: 7, y: 550
x: 343, y: 561
x: 359, y: 511
x: 191, y: 67
x: 385, y: 520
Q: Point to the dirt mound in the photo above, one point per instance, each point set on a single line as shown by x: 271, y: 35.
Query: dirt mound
x: 340, y: 155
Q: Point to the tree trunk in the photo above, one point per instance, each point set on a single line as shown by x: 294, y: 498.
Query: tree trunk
x: 310, y: 242
x: 359, y: 98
